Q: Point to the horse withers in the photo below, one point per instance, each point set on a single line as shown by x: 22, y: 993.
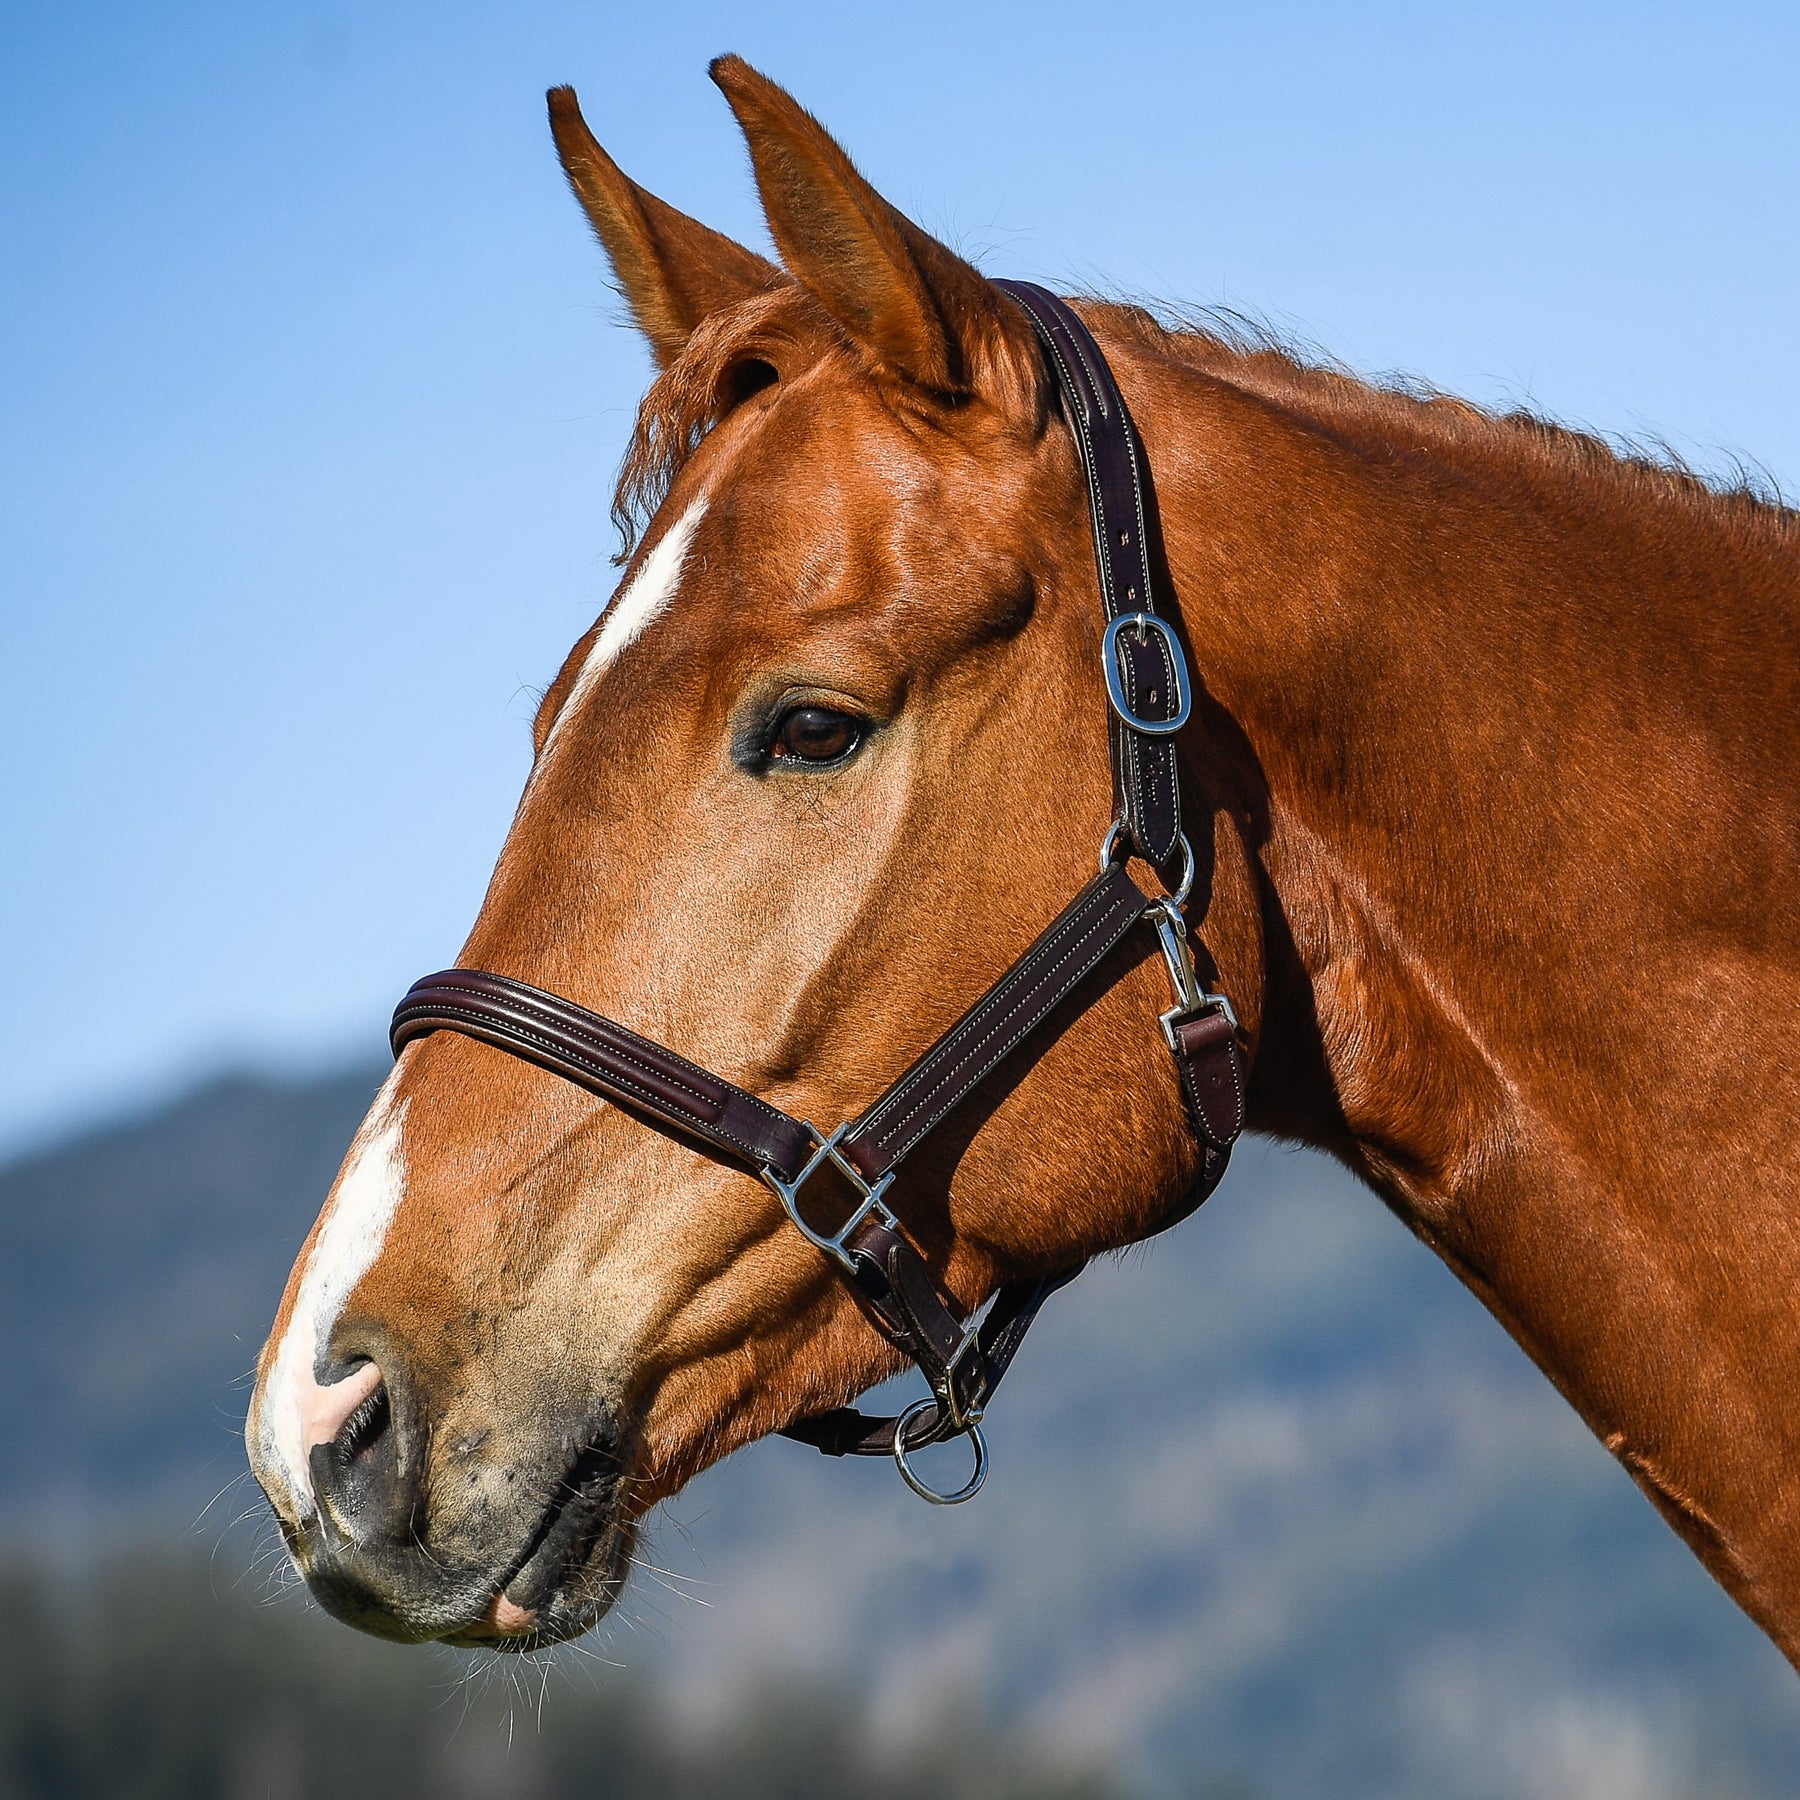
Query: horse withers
x: 1491, y: 784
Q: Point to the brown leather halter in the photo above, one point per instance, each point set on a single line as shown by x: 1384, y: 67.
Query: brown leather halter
x: 961, y: 1355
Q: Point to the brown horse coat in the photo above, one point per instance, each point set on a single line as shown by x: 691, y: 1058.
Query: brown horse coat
x: 1499, y: 738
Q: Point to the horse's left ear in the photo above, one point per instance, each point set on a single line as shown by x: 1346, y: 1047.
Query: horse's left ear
x: 917, y: 308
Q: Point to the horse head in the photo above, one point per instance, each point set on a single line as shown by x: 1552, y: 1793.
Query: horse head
x: 830, y: 757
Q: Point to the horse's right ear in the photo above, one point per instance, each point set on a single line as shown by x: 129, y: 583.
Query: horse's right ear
x: 915, y: 307
x: 672, y: 270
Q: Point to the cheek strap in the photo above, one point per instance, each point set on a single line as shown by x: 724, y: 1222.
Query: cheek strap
x: 961, y: 1356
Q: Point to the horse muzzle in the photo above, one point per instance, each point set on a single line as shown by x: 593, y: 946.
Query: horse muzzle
x: 414, y: 1526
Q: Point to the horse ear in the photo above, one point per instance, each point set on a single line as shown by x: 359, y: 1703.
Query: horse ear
x: 673, y: 271
x: 917, y: 308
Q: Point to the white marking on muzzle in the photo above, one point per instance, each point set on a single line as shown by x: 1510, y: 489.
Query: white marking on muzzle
x: 298, y: 1409
x: 645, y: 597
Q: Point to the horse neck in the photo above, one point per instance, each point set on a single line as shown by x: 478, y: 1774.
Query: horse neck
x: 1511, y: 737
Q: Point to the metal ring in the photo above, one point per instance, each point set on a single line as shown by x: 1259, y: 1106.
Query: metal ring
x: 969, y: 1489
x: 1185, y: 887
x: 1182, y: 889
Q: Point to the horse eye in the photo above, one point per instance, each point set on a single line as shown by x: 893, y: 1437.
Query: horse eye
x: 816, y: 734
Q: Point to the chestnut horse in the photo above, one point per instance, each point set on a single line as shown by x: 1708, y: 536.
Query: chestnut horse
x: 1495, y: 773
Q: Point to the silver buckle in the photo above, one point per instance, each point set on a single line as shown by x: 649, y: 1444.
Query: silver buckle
x: 966, y: 1420
x: 1115, y: 681
x: 963, y: 1419
x: 1171, y: 934
x: 788, y: 1192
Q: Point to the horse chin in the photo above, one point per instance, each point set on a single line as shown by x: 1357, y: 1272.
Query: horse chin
x: 559, y: 1594
x: 573, y: 1568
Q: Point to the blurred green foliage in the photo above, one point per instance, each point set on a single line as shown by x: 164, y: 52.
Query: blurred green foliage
x: 163, y: 1678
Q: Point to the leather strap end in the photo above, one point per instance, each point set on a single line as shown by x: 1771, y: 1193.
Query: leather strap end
x: 843, y: 1431
x: 1212, y: 1075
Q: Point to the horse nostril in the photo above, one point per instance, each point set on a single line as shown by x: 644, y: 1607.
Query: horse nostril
x: 324, y: 1410
x: 362, y: 1476
x: 361, y: 1433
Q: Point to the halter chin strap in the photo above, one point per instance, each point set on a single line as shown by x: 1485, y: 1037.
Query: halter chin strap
x: 961, y: 1355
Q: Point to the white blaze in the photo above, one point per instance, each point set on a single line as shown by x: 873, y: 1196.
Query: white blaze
x: 373, y: 1180
x: 645, y: 597
x: 356, y: 1223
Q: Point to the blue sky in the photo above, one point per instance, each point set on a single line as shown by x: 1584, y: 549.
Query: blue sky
x: 311, y: 396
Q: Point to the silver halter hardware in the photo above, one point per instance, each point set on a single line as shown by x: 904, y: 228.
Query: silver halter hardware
x: 1142, y: 622
x: 870, y: 1204
x: 1109, y: 846
x: 943, y: 1404
x: 1165, y: 916
x: 971, y: 1430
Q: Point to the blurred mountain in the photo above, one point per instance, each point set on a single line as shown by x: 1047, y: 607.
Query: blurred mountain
x: 140, y: 1266
x: 1276, y: 1509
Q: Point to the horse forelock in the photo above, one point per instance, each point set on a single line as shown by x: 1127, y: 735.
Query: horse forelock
x: 730, y: 355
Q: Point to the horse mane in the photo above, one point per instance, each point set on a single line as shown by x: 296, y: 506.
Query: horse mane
x: 1402, y: 411
x: 737, y: 351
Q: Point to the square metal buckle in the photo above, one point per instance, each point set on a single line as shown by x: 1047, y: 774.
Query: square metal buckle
x: 961, y: 1416
x: 871, y: 1205
x: 1206, y: 1003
